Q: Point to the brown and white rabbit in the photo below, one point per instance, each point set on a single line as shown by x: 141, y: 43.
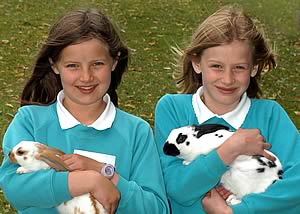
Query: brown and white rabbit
x: 33, y: 156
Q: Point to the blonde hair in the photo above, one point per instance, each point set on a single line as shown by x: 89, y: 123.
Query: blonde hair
x: 222, y: 27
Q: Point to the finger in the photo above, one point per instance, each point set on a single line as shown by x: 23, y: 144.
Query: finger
x: 219, y: 188
x: 213, y: 191
x: 65, y: 157
x: 114, y: 207
x: 268, y: 156
x: 68, y: 162
x: 208, y: 194
x: 266, y: 145
x: 223, y: 192
x: 226, y: 195
x: 108, y: 209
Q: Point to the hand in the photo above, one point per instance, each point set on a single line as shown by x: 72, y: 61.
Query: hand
x: 244, y: 142
x: 224, y: 193
x: 107, y: 194
x: 102, y: 189
x: 213, y: 203
x: 79, y: 162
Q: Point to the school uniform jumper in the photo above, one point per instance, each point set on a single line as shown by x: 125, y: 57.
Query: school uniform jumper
x: 115, y: 132
x: 187, y: 184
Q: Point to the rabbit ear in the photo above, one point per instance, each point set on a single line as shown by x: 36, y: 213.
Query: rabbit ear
x: 51, y: 157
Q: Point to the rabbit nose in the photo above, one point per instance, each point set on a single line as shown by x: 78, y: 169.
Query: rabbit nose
x: 11, y: 157
x: 171, y: 149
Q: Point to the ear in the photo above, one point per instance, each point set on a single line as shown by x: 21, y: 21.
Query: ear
x: 53, y: 66
x: 51, y: 157
x: 254, y: 71
x: 196, y: 66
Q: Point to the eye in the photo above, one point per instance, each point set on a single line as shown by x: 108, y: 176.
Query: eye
x: 181, y: 138
x: 240, y: 68
x: 72, y: 66
x: 98, y: 63
x: 20, y: 152
x: 216, y: 66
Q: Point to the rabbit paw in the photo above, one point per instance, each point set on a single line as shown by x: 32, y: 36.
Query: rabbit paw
x: 22, y: 170
x: 185, y: 162
x: 232, y: 200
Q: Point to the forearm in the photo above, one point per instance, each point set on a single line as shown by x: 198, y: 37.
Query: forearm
x: 82, y: 182
x: 196, y: 179
x: 227, y: 155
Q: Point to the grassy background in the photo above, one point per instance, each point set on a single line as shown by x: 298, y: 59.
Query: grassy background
x: 150, y: 28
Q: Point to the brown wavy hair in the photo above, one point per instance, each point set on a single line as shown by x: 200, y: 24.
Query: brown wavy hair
x: 73, y: 28
x: 222, y: 27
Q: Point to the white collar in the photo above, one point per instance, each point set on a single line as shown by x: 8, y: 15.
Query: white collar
x: 104, y: 121
x: 235, y: 118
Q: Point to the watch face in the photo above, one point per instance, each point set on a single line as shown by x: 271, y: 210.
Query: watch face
x: 108, y: 171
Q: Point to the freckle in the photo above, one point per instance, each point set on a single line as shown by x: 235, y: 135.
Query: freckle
x: 25, y: 158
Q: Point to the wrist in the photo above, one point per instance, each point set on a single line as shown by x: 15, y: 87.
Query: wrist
x: 228, y: 210
x: 115, y: 178
x: 107, y: 171
x: 227, y: 154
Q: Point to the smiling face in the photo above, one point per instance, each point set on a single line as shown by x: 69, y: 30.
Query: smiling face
x: 226, y: 73
x: 85, y: 70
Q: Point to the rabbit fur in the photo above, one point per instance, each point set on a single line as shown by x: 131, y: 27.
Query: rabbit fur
x: 33, y: 156
x: 247, y: 174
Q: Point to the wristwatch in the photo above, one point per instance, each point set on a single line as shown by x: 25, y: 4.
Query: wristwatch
x: 108, y: 171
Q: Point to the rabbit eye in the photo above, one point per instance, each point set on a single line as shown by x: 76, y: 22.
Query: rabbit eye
x: 20, y: 152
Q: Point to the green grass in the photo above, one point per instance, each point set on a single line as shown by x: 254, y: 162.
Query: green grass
x: 150, y: 28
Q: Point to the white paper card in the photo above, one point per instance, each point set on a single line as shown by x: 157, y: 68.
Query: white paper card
x: 100, y: 157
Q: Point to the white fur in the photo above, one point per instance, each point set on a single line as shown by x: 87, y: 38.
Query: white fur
x: 85, y: 203
x: 28, y: 163
x: 242, y: 178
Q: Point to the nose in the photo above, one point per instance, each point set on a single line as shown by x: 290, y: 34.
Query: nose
x: 228, y: 77
x: 86, y: 75
x: 11, y: 156
x: 171, y: 149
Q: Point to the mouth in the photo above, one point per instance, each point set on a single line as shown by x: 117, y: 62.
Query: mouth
x: 226, y: 91
x: 86, y: 89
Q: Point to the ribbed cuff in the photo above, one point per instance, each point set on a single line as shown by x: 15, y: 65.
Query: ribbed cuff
x: 125, y: 191
x: 60, y: 187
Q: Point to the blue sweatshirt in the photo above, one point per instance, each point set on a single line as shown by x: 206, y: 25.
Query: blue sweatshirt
x: 186, y: 185
x: 129, y: 139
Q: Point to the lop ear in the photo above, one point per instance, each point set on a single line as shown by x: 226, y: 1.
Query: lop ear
x: 51, y: 157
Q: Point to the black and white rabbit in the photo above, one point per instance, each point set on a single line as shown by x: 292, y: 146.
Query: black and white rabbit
x: 33, y: 156
x: 247, y: 174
